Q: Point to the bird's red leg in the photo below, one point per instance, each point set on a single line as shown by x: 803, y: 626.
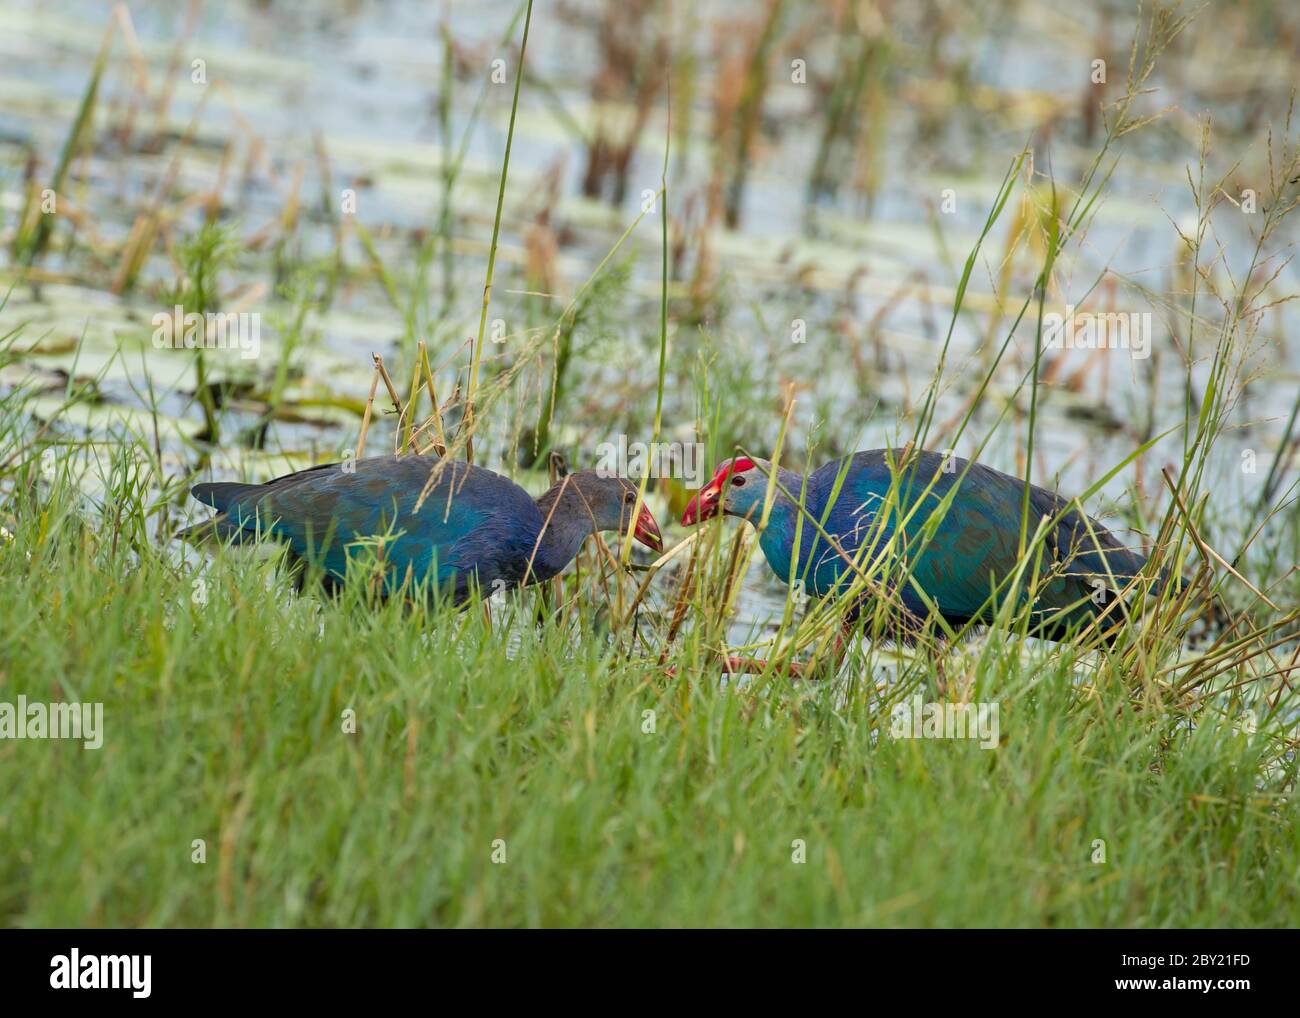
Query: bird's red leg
x: 740, y: 665
x: 795, y: 670
x: 735, y: 664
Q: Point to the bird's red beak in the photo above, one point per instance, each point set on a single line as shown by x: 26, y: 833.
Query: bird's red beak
x: 647, y: 530
x: 706, y: 501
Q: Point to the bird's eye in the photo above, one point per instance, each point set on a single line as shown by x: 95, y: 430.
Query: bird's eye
x: 629, y: 498
x: 738, y: 482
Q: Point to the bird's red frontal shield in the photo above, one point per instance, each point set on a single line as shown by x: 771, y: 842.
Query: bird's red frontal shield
x: 707, y: 500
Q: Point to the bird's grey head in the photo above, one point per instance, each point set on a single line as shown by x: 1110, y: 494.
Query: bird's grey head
x: 738, y: 488
x: 604, y: 504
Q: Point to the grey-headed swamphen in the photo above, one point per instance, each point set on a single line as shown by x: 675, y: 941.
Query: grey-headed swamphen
x: 474, y: 528
x: 973, y: 549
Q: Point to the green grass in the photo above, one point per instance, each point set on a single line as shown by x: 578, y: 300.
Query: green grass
x: 224, y: 722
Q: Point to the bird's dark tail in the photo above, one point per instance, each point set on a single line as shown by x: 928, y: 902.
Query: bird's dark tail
x: 220, y: 527
x: 222, y: 494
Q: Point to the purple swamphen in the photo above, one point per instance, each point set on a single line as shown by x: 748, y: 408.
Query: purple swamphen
x: 971, y: 553
x: 474, y: 532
